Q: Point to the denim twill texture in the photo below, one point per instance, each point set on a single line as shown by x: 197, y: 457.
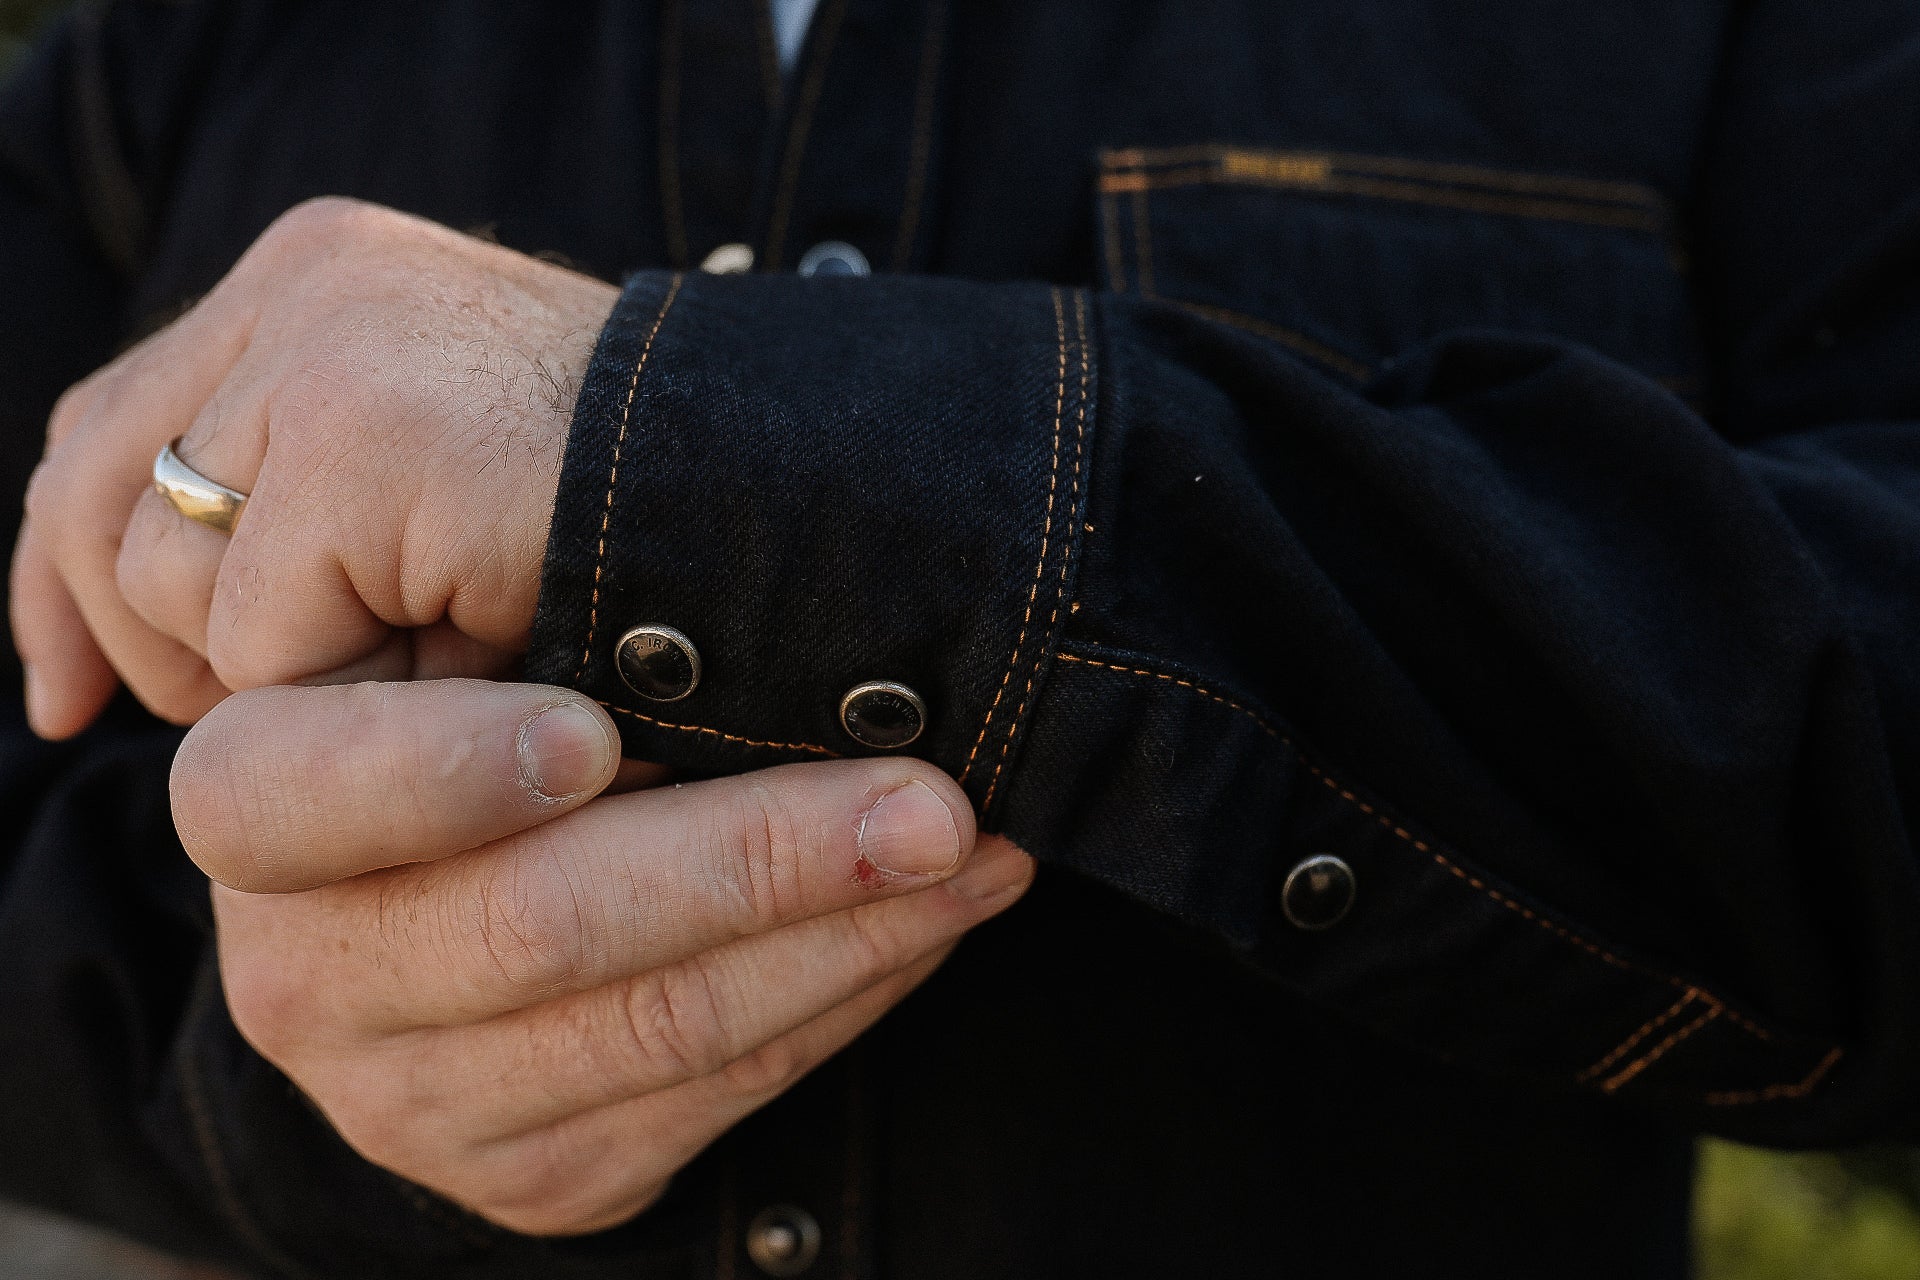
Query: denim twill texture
x: 1497, y: 468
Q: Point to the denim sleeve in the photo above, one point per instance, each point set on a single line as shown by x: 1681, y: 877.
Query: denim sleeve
x: 1607, y: 706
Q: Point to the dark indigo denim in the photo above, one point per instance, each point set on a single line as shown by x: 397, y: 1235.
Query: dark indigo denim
x: 1478, y: 441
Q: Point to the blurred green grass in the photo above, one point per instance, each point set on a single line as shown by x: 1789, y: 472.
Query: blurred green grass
x: 1765, y: 1215
x: 1761, y: 1215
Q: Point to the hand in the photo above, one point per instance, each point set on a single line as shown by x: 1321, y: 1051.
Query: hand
x: 394, y: 396
x: 547, y: 1026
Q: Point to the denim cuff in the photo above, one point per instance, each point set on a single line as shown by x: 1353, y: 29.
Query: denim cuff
x: 823, y: 484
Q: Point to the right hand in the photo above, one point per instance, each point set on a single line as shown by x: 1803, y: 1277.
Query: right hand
x: 543, y: 1014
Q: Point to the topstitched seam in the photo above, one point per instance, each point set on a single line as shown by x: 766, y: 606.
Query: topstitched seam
x: 1598, y: 190
x: 716, y: 733
x: 1066, y: 546
x: 1046, y: 531
x: 1659, y: 1051
x: 1776, y: 1092
x: 1717, y: 1007
x: 613, y: 476
x: 1627, y: 217
x: 1652, y: 1025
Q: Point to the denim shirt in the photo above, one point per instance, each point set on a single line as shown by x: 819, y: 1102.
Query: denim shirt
x: 1479, y: 444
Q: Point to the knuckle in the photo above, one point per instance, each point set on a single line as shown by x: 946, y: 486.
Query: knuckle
x: 673, y: 1023
x: 532, y: 929
x: 268, y: 1001
x: 317, y: 222
x: 767, y: 1070
x: 766, y: 835
x: 70, y: 410
x: 540, y: 1185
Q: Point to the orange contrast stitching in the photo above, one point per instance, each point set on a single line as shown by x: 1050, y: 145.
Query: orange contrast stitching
x: 716, y: 733
x: 1066, y: 544
x: 1626, y: 1046
x: 828, y: 29
x: 613, y: 475
x: 1337, y: 361
x: 1629, y: 217
x: 1046, y: 531
x: 1387, y: 821
x: 1775, y: 1092
x: 931, y: 51
x: 1290, y: 165
x: 1659, y: 1051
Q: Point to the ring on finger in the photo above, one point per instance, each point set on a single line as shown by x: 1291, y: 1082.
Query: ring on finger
x: 196, y: 496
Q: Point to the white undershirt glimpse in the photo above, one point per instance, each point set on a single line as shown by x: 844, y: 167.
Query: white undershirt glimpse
x: 790, y: 21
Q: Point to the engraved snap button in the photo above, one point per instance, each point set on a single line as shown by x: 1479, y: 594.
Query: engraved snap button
x: 881, y: 713
x: 783, y: 1240
x: 1318, y: 893
x: 732, y: 259
x: 658, y: 663
x: 833, y: 258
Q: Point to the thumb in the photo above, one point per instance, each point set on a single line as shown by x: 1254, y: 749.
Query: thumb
x: 283, y: 789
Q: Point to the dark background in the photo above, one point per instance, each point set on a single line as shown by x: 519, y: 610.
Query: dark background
x: 1762, y: 1215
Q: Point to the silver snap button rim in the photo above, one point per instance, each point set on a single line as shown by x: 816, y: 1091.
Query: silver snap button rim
x: 805, y: 1236
x: 1307, y: 866
x: 899, y: 690
x: 820, y: 254
x: 673, y: 636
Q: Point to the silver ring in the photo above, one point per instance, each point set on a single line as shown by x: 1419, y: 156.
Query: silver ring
x: 195, y: 496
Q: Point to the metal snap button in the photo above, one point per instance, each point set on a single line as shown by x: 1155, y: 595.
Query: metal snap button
x: 731, y: 259
x: 833, y: 258
x: 658, y: 663
x: 783, y: 1240
x: 1318, y: 893
x: 882, y: 714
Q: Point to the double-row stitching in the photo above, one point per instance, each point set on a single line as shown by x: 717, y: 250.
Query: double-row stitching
x: 716, y: 733
x: 1626, y: 1046
x: 1066, y: 543
x: 1660, y: 1050
x: 613, y: 476
x: 1288, y: 167
x: 1440, y: 859
x: 1046, y: 533
x: 932, y: 50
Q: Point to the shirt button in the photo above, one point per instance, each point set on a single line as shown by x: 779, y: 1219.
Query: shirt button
x: 658, y: 663
x: 1318, y: 893
x: 833, y: 258
x: 728, y: 260
x: 882, y: 714
x: 783, y: 1240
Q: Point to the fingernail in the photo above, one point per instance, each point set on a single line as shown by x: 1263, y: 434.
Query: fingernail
x: 997, y: 869
x: 910, y: 831
x: 565, y: 750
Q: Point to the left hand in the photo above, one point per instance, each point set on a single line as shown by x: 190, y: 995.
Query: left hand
x: 395, y: 397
